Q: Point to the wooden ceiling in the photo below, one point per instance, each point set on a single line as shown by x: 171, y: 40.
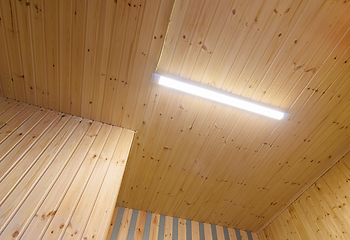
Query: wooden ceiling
x: 192, y: 158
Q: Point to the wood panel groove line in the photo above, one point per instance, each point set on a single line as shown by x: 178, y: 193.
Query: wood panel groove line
x: 59, y: 174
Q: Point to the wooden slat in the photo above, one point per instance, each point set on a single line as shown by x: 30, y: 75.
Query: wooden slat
x: 181, y: 229
x: 39, y: 54
x: 207, y: 231
x: 124, y: 227
x: 113, y: 178
x: 66, y: 208
x: 15, y: 198
x: 110, y: 230
x: 154, y: 226
x: 220, y: 233
x: 23, y: 138
x: 65, y: 48
x: 6, y: 104
x: 17, y: 115
x: 38, y: 223
x: 150, y: 48
x: 255, y: 236
x: 92, y: 29
x: 25, y: 153
x: 195, y: 230
x: 9, y: 17
x: 116, y: 48
x: 78, y: 47
x: 232, y: 234
x: 26, y: 46
x: 6, y: 83
x: 51, y: 30
x: 103, y: 55
x: 84, y: 208
x: 140, y: 225
x: 136, y: 10
x: 168, y: 230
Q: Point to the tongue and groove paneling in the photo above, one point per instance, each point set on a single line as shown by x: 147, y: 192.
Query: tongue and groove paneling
x: 59, y: 174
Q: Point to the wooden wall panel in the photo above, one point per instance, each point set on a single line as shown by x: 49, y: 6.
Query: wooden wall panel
x: 321, y: 212
x: 59, y: 174
x: 133, y: 224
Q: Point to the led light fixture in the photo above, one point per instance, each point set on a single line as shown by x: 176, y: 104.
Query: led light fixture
x: 216, y: 95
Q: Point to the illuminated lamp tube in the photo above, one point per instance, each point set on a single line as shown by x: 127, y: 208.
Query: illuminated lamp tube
x: 217, y: 95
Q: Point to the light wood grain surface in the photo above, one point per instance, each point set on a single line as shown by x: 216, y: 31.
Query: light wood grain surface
x: 192, y: 158
x: 59, y: 174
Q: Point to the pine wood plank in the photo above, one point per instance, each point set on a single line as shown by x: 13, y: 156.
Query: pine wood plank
x: 17, y: 120
x: 38, y: 52
x: 25, y: 44
x: 5, y: 70
x: 242, y: 30
x: 148, y: 50
x: 38, y: 223
x: 195, y: 230
x: 171, y: 39
x: 84, y: 208
x: 311, y: 58
x: 220, y: 232
x: 34, y: 157
x: 38, y: 194
x: 198, y: 131
x: 207, y: 231
x: 25, y: 152
x: 168, y: 229
x: 36, y: 181
x: 78, y: 47
x: 110, y: 230
x: 9, y: 16
x: 256, y: 237
x: 202, y: 25
x: 181, y: 229
x: 70, y: 201
x: 233, y: 19
x: 154, y: 226
x: 114, y: 62
x: 10, y: 112
x: 91, y: 36
x: 124, y: 227
x: 103, y: 55
x: 113, y: 178
x: 23, y: 138
x: 262, y: 236
x: 232, y: 234
x: 244, y: 235
x: 51, y: 30
x: 217, y: 30
x: 258, y: 35
x: 140, y: 225
x: 275, y: 35
x: 130, y: 48
x: 6, y: 104
x: 307, y: 19
x: 65, y: 15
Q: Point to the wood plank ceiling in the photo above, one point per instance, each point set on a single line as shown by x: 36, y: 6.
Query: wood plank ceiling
x: 192, y: 158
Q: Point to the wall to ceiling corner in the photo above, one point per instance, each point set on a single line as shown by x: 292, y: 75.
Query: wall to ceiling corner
x: 322, y: 212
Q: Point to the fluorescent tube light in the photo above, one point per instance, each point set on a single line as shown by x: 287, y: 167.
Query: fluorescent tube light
x: 217, y: 96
